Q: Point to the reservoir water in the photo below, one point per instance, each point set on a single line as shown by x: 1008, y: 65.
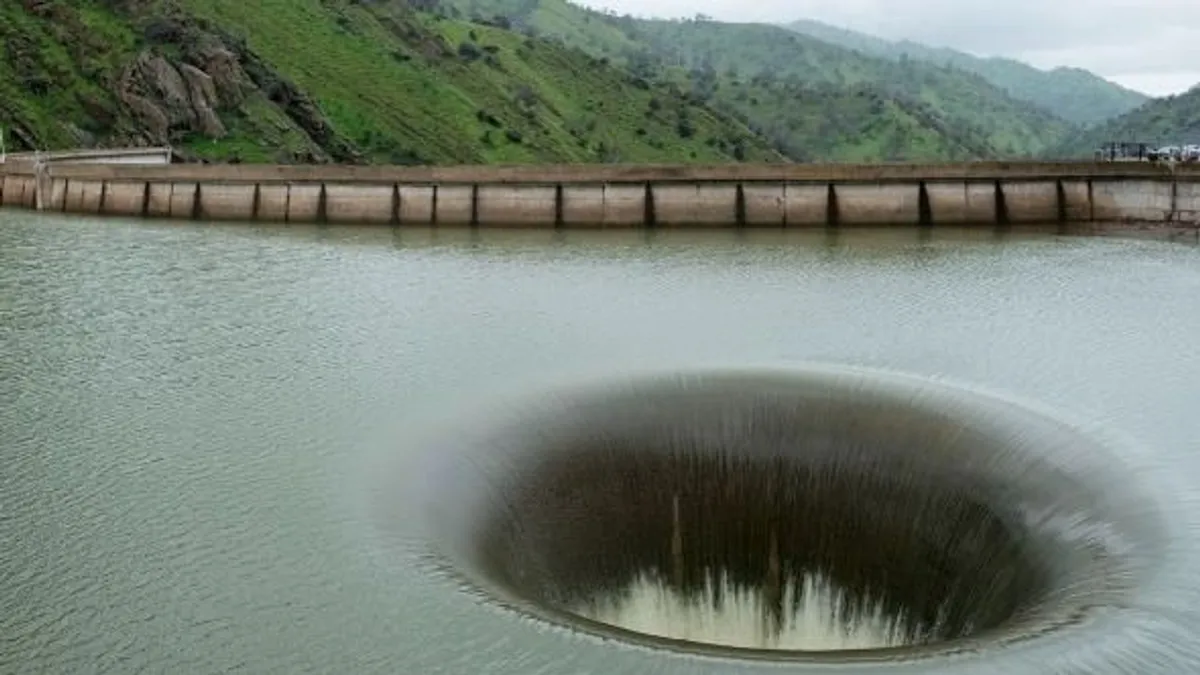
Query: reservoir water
x: 193, y: 417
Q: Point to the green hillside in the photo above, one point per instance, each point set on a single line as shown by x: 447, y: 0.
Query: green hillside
x: 1074, y: 94
x: 1173, y: 120
x: 329, y: 80
x: 480, y: 81
x: 868, y: 126
x: 963, y: 104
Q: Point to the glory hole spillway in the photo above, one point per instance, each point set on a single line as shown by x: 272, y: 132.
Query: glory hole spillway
x: 239, y: 439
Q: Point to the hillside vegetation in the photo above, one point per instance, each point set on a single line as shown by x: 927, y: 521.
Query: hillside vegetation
x: 965, y: 107
x: 1174, y: 120
x: 482, y: 81
x: 320, y: 80
x: 965, y: 104
x: 1073, y: 94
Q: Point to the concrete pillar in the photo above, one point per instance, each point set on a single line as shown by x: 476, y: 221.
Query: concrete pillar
x: 24, y: 194
x: 227, y: 201
x: 695, y: 204
x: 765, y: 204
x: 524, y: 205
x: 360, y: 203
x: 73, y: 197
x: 961, y: 202
x: 1187, y: 202
x: 158, y: 205
x: 14, y: 191
x: 1077, y: 201
x: 273, y: 202
x: 30, y: 200
x: 624, y: 204
x: 1124, y: 200
x: 1031, y: 201
x: 455, y: 204
x: 183, y: 200
x: 416, y: 204
x: 303, y: 203
x: 124, y: 198
x: 58, y: 195
x: 83, y: 196
x: 583, y: 205
x: 878, y: 204
x: 806, y: 204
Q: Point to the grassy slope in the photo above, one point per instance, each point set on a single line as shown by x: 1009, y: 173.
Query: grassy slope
x: 963, y: 100
x: 868, y: 126
x: 62, y: 59
x: 378, y: 73
x: 392, y: 82
x: 1174, y: 120
x: 1071, y: 93
x: 965, y: 105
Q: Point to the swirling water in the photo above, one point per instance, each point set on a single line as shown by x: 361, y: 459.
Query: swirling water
x: 190, y: 414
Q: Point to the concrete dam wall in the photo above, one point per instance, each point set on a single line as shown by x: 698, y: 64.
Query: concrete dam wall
x: 983, y: 193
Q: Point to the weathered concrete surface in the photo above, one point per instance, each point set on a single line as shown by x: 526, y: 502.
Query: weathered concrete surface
x: 1077, y: 202
x: 83, y: 196
x: 614, y: 195
x: 765, y: 203
x: 1127, y: 200
x: 583, y: 206
x: 158, y: 204
x: 455, y: 204
x: 878, y: 204
x: 1187, y: 202
x: 961, y: 202
x: 1031, y: 201
x: 227, y: 202
x: 368, y: 204
x: 124, y: 198
x: 304, y: 203
x: 139, y: 156
x: 416, y: 204
x: 806, y: 204
x: 15, y: 188
x: 624, y: 205
x: 58, y: 195
x: 520, y: 205
x: 273, y: 203
x: 183, y: 200
x: 695, y: 204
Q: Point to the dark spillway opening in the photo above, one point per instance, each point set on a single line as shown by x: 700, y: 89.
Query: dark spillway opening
x: 802, y: 520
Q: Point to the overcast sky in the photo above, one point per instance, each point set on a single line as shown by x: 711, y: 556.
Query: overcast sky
x: 1148, y: 45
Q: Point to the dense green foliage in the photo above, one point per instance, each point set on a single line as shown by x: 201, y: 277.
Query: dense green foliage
x: 482, y: 81
x: 344, y: 81
x: 1073, y: 94
x: 1174, y: 120
x: 965, y: 105
x: 971, y: 113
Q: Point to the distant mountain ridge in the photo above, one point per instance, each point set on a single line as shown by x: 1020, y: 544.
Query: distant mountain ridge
x: 816, y: 100
x: 1172, y: 120
x: 1075, y: 94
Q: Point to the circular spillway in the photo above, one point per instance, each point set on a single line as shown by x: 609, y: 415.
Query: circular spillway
x: 820, y: 515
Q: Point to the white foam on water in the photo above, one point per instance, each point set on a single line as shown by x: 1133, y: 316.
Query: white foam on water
x: 816, y: 622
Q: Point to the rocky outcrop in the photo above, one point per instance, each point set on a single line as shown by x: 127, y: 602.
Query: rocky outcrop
x: 187, y: 80
x: 231, y: 83
x: 167, y: 101
x: 298, y: 105
x: 203, y: 94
